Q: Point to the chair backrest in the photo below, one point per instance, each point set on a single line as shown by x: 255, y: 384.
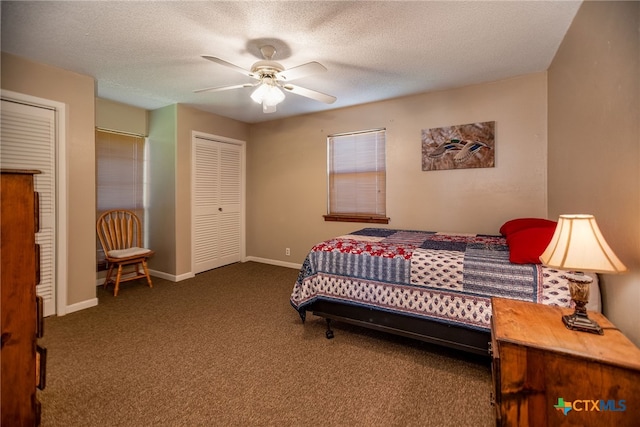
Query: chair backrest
x: 119, y: 229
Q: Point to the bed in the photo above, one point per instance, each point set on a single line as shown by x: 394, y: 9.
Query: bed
x: 431, y: 286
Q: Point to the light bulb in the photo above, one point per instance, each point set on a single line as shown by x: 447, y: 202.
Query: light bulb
x: 267, y: 94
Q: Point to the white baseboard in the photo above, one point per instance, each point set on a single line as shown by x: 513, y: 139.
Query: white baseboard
x: 160, y: 274
x: 80, y: 306
x: 274, y: 262
x: 171, y: 277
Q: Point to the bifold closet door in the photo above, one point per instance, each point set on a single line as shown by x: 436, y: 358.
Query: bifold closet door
x: 28, y: 142
x: 216, y: 204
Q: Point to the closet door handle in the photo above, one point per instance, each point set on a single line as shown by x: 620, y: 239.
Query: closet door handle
x: 37, y: 264
x: 39, y: 317
x: 36, y: 211
x: 41, y: 367
x: 220, y: 209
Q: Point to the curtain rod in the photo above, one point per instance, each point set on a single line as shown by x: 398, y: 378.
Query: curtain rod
x: 139, y: 135
x: 357, y: 132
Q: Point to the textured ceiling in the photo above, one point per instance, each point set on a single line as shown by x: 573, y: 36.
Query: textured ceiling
x: 148, y: 53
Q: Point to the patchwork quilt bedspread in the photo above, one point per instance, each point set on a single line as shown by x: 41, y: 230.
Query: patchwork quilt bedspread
x: 444, y: 277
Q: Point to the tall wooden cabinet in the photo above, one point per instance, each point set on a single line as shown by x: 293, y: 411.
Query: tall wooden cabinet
x: 21, y: 311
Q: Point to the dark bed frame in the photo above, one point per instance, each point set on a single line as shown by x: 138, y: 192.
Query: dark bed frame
x: 457, y: 337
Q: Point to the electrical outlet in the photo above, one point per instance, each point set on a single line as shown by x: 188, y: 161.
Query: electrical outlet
x: 287, y: 251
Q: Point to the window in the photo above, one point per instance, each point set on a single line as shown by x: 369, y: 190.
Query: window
x: 357, y: 177
x: 120, y: 175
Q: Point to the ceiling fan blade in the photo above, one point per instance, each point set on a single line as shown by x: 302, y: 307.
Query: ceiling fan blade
x: 229, y: 65
x: 318, y: 96
x: 301, y: 71
x: 221, y: 88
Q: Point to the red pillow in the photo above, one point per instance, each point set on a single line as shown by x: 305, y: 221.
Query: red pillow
x: 526, y: 246
x: 518, y: 224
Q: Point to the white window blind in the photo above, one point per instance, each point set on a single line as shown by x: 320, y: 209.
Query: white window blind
x: 120, y: 174
x: 357, y: 174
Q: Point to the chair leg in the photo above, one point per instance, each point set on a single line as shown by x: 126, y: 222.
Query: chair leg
x: 107, y: 279
x: 117, y: 288
x: 146, y: 272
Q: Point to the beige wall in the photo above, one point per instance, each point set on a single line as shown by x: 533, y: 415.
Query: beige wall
x: 594, y: 140
x: 161, y: 218
x: 76, y: 91
x: 287, y: 167
x: 190, y: 119
x: 170, y: 131
x: 120, y: 117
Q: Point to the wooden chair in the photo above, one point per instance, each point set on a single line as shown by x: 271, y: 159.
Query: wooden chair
x: 120, y: 235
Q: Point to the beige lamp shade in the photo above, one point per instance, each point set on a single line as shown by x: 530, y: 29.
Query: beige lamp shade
x: 578, y: 245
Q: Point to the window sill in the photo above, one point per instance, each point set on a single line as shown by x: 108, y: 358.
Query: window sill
x: 357, y: 218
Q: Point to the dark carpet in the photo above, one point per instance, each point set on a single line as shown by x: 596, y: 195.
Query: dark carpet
x: 226, y: 349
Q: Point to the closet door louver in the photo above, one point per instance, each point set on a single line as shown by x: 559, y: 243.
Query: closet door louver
x: 217, y: 202
x: 230, y: 203
x: 28, y: 142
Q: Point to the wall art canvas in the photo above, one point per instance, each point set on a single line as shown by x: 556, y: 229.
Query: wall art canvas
x: 459, y: 147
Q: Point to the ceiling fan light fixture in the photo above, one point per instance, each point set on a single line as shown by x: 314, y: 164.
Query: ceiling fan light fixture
x: 268, y: 108
x: 271, y: 77
x: 269, y: 96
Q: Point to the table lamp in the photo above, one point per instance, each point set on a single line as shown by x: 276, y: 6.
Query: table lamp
x: 577, y: 245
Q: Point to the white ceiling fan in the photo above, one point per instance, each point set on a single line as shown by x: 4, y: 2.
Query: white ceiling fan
x: 271, y: 77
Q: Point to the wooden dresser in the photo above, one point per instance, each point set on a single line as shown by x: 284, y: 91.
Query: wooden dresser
x: 23, y: 362
x: 541, y: 368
